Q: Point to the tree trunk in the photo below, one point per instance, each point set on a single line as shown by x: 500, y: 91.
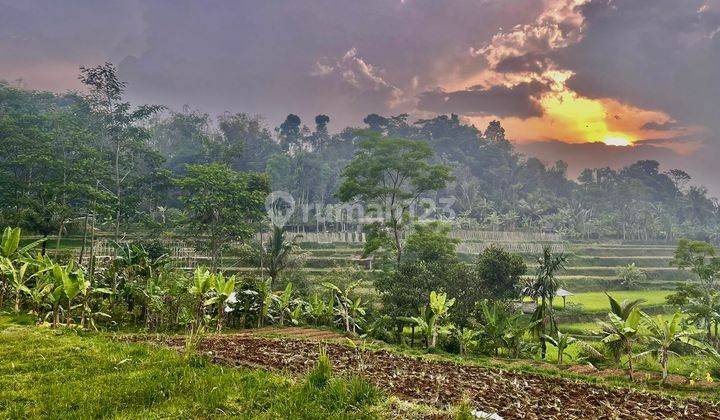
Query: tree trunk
x: 412, y: 336
x: 630, y: 366
x: 17, y: 301
x: 664, y: 363
x: 260, y: 313
x: 84, y: 240
x: 56, y: 316
x: 69, y: 314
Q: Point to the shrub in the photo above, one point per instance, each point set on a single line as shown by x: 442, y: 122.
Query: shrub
x: 322, y: 373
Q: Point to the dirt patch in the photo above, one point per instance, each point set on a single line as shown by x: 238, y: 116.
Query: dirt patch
x: 439, y: 383
x: 297, y: 332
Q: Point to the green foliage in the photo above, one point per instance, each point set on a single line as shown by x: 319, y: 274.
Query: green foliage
x: 322, y: 373
x: 699, y: 257
x: 222, y: 205
x: 499, y: 273
x: 391, y: 172
x: 629, y: 276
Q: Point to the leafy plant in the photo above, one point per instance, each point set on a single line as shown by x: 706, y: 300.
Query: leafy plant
x: 322, y: 373
x: 623, y: 332
x: 440, y: 306
x: 223, y: 289
x: 663, y: 334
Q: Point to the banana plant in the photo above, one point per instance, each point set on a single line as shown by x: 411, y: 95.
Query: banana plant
x: 38, y: 296
x: 561, y: 342
x: 55, y: 298
x: 223, y: 288
x: 440, y: 306
x: 467, y: 339
x: 663, y: 334
x: 10, y: 250
x: 201, y: 286
x: 316, y: 309
x: 622, y: 332
x: 10, y: 244
x: 284, y: 301
x: 348, y: 309
x: 85, y: 295
x: 357, y: 312
x: 297, y: 313
x: 17, y: 277
x: 73, y: 283
x: 265, y: 299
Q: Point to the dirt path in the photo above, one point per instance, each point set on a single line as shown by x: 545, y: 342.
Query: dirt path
x: 511, y: 394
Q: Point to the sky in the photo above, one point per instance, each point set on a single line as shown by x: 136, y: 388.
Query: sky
x: 592, y: 82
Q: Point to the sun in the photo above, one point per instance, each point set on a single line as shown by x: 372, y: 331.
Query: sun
x: 617, y: 141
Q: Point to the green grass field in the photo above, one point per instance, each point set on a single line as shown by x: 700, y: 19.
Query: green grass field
x: 64, y: 374
x: 598, y: 301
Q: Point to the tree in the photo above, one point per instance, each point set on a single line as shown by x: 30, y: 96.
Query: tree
x: 391, y: 172
x: 429, y: 263
x: 630, y: 275
x: 278, y: 254
x: 290, y: 133
x: 222, y: 205
x: 544, y: 287
x: 700, y: 257
x: 499, y: 273
x: 124, y: 136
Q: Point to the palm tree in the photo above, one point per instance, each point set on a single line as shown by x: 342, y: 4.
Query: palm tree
x: 544, y: 287
x: 277, y: 256
x: 662, y: 334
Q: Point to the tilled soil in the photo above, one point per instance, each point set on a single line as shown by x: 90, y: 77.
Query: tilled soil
x: 440, y: 383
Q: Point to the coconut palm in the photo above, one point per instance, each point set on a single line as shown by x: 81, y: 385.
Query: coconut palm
x: 278, y: 255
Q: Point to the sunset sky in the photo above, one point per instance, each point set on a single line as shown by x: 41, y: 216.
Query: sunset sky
x: 593, y: 82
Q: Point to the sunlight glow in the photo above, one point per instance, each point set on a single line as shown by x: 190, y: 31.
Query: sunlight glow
x: 617, y: 141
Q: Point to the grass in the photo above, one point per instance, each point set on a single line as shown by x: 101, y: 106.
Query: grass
x: 65, y: 374
x: 598, y: 301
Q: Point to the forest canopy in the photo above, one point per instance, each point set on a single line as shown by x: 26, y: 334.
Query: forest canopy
x: 65, y: 155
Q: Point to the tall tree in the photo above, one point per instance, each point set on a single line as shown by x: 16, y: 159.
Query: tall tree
x: 392, y: 173
x: 222, y: 205
x: 121, y: 129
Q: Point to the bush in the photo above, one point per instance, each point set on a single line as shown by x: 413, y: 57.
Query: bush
x: 322, y: 373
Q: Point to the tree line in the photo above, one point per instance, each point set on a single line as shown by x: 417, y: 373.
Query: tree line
x: 75, y: 162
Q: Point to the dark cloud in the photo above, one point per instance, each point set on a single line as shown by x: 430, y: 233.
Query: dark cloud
x: 664, y: 126
x: 532, y: 63
x: 258, y: 56
x: 502, y: 101
x: 656, y: 54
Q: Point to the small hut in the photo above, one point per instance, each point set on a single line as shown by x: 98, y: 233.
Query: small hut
x: 563, y: 294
